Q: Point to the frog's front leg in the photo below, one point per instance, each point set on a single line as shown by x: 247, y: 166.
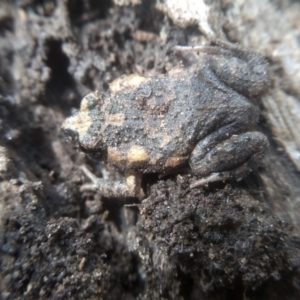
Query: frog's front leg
x: 130, y: 188
x: 233, y: 158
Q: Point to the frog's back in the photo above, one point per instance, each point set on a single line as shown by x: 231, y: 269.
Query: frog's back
x: 151, y: 123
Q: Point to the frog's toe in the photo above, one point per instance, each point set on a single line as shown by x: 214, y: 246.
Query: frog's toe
x: 203, y: 181
x: 89, y: 187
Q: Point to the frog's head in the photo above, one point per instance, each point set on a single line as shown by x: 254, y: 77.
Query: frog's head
x: 84, y: 126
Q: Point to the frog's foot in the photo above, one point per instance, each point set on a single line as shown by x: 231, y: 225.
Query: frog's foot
x: 234, y: 158
x: 130, y: 188
x: 237, y: 174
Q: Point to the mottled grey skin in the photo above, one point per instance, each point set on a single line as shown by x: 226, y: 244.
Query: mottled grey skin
x: 201, y: 116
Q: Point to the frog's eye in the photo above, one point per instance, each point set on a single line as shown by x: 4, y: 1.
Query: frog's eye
x: 72, y: 135
x: 90, y: 101
x: 91, y: 143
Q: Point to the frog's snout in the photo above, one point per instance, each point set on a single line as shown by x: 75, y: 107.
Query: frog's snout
x: 79, y: 126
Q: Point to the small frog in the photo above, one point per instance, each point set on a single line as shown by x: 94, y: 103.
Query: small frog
x: 199, y: 116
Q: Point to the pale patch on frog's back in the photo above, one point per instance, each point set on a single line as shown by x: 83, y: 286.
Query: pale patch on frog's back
x: 115, y: 119
x: 174, y: 162
x: 137, y: 155
x: 127, y: 83
x: 114, y: 156
x: 165, y: 140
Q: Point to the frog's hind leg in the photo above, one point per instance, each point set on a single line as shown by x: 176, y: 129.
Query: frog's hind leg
x: 240, y: 120
x: 130, y: 188
x: 233, y: 158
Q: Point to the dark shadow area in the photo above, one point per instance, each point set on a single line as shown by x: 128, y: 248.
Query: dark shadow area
x: 7, y: 82
x: 61, y: 87
x: 6, y: 25
x: 35, y: 150
x: 150, y: 18
x: 58, y: 62
x: 187, y: 284
x: 86, y: 11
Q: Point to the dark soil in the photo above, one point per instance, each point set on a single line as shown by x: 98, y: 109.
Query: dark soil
x: 59, y: 243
